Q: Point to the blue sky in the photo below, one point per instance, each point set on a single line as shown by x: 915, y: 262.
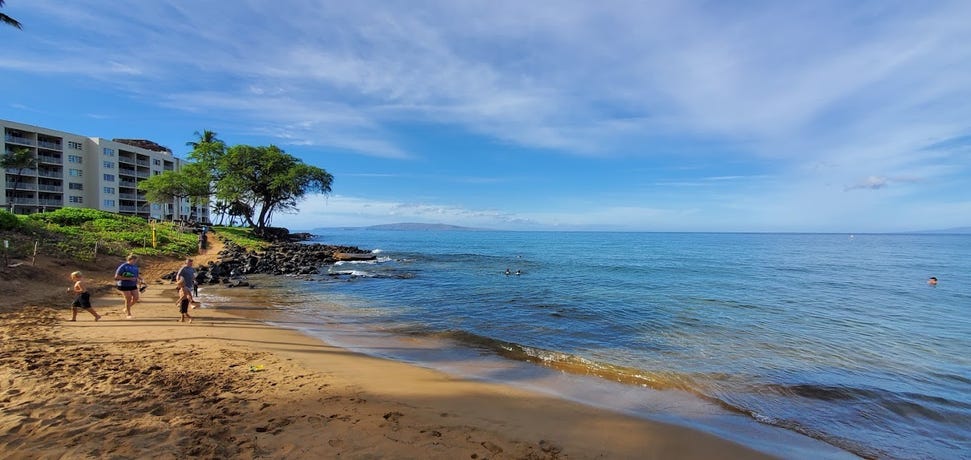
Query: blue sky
x: 644, y: 115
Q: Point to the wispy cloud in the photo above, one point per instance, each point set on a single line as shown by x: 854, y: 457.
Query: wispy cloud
x: 828, y: 97
x: 319, y: 211
x: 587, y: 79
x: 879, y: 182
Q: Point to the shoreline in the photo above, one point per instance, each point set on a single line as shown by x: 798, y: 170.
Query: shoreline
x: 458, y: 361
x: 238, y: 384
x: 230, y: 386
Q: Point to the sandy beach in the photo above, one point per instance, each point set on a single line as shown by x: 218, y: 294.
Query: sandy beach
x: 226, y: 386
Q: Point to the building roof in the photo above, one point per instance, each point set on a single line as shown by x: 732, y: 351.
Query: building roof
x: 145, y: 144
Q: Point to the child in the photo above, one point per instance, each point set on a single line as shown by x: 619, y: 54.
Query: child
x: 83, y: 299
x: 183, y: 301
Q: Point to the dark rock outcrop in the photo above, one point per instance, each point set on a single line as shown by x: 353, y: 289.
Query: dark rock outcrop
x: 278, y: 259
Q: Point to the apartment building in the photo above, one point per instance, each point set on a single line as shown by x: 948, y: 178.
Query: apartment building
x: 87, y: 172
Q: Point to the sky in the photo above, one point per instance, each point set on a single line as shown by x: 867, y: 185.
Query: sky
x: 737, y: 116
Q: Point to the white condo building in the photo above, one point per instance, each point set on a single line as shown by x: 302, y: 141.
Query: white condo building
x: 87, y: 172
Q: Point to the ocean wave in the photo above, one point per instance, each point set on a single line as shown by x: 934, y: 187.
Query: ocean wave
x: 700, y: 386
x: 355, y: 262
x: 350, y: 273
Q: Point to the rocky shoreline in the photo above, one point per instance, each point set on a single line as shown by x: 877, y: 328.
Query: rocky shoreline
x: 283, y: 258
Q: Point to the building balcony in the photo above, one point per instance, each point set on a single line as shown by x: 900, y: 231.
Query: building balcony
x: 24, y: 172
x: 54, y: 174
x: 50, y: 159
x: 19, y: 140
x: 22, y: 200
x: 50, y: 188
x: 127, y: 196
x: 50, y: 202
x: 21, y: 186
x: 127, y: 209
x: 49, y: 145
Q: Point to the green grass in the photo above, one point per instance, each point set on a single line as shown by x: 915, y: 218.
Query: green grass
x: 243, y: 237
x: 78, y: 233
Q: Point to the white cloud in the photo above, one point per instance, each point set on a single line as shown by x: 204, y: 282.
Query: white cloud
x: 589, y: 78
x: 340, y: 210
x: 828, y: 96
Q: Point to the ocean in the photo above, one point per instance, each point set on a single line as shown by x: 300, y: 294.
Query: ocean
x: 802, y: 345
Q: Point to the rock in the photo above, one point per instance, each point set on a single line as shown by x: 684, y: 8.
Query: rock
x: 282, y: 258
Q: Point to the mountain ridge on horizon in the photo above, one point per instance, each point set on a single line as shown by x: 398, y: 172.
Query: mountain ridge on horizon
x: 417, y: 226
x: 412, y: 226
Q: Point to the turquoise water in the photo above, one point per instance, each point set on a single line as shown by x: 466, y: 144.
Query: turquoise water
x: 835, y: 337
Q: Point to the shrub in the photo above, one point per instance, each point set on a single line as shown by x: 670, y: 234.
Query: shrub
x: 8, y: 221
x: 72, y: 216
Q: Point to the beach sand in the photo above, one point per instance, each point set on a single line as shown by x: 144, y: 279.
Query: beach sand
x: 226, y: 386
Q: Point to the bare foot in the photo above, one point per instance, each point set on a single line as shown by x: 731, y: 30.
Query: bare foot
x: 190, y: 319
x: 72, y: 320
x: 128, y: 317
x: 97, y: 318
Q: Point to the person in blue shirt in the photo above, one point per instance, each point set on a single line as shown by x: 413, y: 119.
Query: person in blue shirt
x: 127, y: 281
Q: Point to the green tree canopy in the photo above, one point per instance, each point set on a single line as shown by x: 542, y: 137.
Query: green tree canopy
x: 267, y: 179
x: 192, y: 182
x: 207, y: 149
x: 16, y: 161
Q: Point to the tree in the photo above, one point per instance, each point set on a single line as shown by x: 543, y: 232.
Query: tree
x: 18, y: 159
x: 208, y: 149
x: 192, y: 182
x: 9, y: 20
x: 267, y: 179
x: 220, y: 208
x: 240, y: 209
x: 203, y: 174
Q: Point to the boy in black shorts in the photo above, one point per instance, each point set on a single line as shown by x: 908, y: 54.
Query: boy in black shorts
x: 83, y: 299
x: 183, y: 301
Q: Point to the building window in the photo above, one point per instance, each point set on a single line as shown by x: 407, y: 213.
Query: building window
x: 109, y: 203
x: 73, y: 159
x: 109, y: 190
x: 109, y: 177
x: 157, y: 162
x: 76, y: 199
x: 109, y: 165
x: 75, y: 186
x: 75, y: 145
x: 75, y: 172
x: 109, y: 152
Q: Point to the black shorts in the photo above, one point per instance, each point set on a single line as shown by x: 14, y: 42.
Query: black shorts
x: 184, y: 306
x: 83, y: 300
x: 126, y: 288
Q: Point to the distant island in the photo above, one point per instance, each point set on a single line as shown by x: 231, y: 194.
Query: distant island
x: 411, y: 226
x: 950, y: 231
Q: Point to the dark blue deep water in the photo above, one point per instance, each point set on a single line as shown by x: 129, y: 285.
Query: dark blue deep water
x: 835, y: 337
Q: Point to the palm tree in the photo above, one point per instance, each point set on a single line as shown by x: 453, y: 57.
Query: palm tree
x: 9, y: 20
x: 19, y: 160
x: 205, y: 137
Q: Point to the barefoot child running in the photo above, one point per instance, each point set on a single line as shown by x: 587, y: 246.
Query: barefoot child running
x: 83, y: 299
x: 183, y: 302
